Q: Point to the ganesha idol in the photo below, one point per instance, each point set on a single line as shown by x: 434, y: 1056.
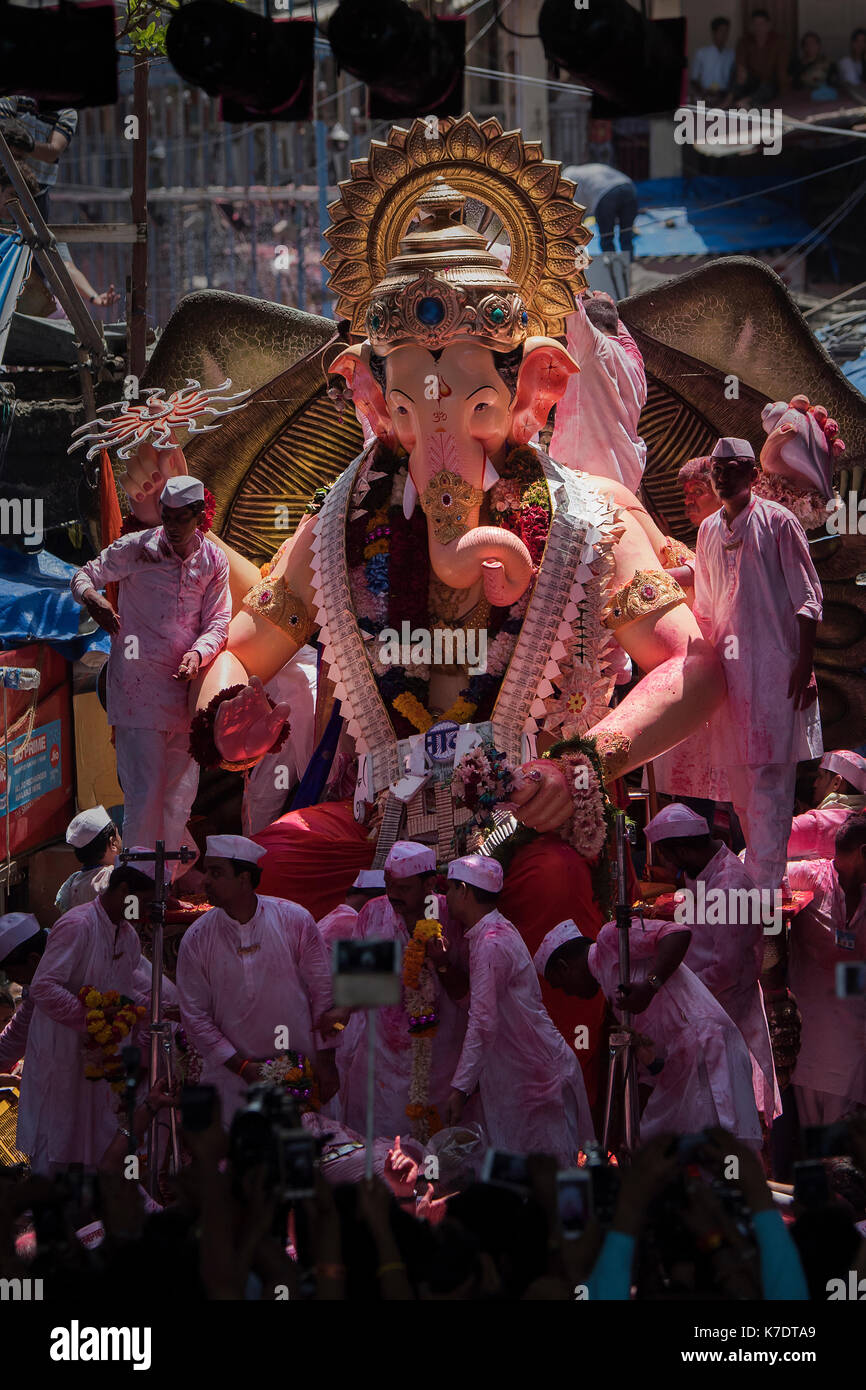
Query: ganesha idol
x: 451, y: 520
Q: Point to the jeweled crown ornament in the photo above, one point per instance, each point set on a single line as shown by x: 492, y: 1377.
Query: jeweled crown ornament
x: 373, y: 256
x: 444, y: 285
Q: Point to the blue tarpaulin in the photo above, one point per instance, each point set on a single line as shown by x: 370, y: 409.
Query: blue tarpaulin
x: 36, y: 605
x: 14, y: 264
x: 856, y: 372
x: 681, y: 217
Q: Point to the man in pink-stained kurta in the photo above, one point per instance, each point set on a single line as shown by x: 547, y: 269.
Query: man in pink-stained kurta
x: 409, y: 877
x: 702, y: 1072
x: 830, y: 1076
x: 597, y: 418
x: 840, y: 788
x: 728, y: 922
x: 758, y: 601
x: 253, y: 978
x: 529, y: 1081
x: 63, y: 1117
x: 174, y: 613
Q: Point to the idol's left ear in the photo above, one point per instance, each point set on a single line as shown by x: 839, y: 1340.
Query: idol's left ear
x: 541, y: 382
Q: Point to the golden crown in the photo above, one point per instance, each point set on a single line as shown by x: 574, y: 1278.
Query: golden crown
x: 438, y: 282
x: 444, y: 285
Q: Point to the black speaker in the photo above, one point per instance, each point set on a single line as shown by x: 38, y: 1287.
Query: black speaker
x: 633, y: 65
x: 261, y: 68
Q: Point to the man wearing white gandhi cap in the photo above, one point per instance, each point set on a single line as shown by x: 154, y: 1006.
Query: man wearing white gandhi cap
x: 701, y: 1069
x: 410, y: 880
x: 63, y: 1117
x: 95, y: 841
x: 840, y: 788
x: 728, y: 918
x: 253, y: 978
x: 529, y: 1081
x: 172, y: 618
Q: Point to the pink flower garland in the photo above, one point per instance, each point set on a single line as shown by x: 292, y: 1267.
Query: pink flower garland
x: 587, y: 829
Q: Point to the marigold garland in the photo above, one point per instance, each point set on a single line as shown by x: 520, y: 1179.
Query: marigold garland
x: 293, y: 1072
x: 419, y: 987
x: 109, y: 1018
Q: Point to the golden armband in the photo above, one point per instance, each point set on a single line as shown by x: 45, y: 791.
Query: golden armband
x: 675, y: 553
x: 274, y: 600
x: 614, y: 750
x: 650, y: 591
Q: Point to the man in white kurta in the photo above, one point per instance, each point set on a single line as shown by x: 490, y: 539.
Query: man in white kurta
x: 339, y: 925
x: 701, y: 1070
x: 173, y: 616
x: 840, y: 788
x: 96, y: 841
x: 728, y: 920
x: 597, y: 418
x: 63, y: 1117
x: 529, y: 1081
x: 409, y: 877
x: 830, y: 1076
x: 252, y: 977
x: 758, y: 601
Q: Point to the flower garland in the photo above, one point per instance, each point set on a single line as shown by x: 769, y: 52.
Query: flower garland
x: 109, y: 1018
x: 419, y: 985
x: 481, y: 780
x: 389, y: 571
x: 293, y: 1072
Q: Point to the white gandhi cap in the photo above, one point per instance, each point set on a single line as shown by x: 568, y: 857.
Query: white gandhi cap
x: 234, y: 847
x: 182, y: 492
x: 675, y: 822
x: 86, y: 826
x: 16, y: 927
x: 478, y: 870
x: 407, y: 857
x: 562, y: 932
x: 848, y: 765
x: 370, y: 878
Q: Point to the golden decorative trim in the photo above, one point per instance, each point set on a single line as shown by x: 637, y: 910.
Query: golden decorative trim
x: 447, y: 501
x: 614, y: 750
x: 675, y: 553
x: 649, y: 591
x: 274, y: 600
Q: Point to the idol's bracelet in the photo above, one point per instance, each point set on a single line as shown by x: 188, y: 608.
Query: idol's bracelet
x: 675, y: 553
x: 273, y: 600
x: 649, y: 591
x: 202, y: 738
x: 614, y: 753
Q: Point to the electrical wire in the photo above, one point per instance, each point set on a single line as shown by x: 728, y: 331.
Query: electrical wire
x: 760, y: 192
x: 513, y: 32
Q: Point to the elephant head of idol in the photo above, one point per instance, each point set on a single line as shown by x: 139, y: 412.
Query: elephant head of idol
x: 448, y: 373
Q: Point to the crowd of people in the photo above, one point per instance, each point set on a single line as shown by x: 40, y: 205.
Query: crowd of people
x: 471, y: 1083
x: 765, y: 65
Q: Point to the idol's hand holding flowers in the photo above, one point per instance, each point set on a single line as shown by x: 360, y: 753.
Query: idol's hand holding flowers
x: 541, y: 798
x: 247, y: 725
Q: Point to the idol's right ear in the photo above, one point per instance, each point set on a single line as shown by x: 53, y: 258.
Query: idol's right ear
x: 353, y: 364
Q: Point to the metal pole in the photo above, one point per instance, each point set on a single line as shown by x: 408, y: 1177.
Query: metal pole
x: 157, y: 918
x: 136, y: 309
x: 631, y: 1114
x: 371, y: 1092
